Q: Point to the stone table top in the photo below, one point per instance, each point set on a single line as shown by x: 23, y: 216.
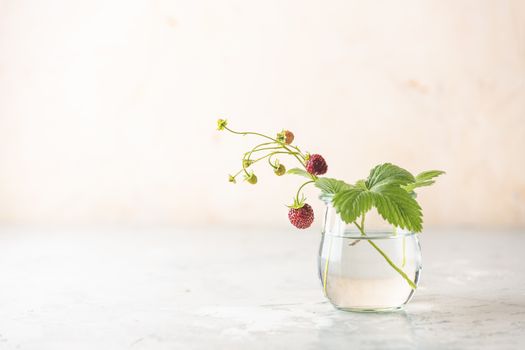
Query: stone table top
x: 245, y: 289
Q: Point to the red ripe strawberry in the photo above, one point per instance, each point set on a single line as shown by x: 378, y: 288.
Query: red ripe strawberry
x: 316, y: 165
x: 301, y: 217
x: 288, y: 137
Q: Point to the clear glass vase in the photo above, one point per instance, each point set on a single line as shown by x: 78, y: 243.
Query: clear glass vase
x: 377, y: 271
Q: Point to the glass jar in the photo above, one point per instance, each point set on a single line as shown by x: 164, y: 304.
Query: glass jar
x: 375, y: 271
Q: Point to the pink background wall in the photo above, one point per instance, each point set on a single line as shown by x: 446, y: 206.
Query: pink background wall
x: 108, y: 108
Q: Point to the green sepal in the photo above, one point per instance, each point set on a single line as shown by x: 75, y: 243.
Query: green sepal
x: 221, y: 124
x: 298, y: 203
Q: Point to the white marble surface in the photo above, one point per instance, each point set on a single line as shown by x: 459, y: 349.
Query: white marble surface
x: 256, y: 289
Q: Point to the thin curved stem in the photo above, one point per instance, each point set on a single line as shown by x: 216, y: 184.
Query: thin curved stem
x: 256, y: 148
x: 237, y: 173
x: 247, y: 155
x: 250, y: 133
x: 269, y: 138
x: 270, y: 162
x: 325, y: 272
x: 391, y: 263
x: 268, y: 155
x: 262, y: 149
x: 388, y: 260
x: 256, y: 160
x: 300, y: 188
x: 298, y: 150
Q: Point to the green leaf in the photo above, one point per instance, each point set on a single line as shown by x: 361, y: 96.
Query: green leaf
x: 423, y: 179
x: 399, y: 208
x: 352, y: 203
x: 388, y: 174
x: 382, y: 190
x: 300, y: 172
x: 428, y: 175
x: 329, y: 187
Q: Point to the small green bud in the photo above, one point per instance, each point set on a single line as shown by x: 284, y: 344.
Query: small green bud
x: 231, y: 179
x: 251, y: 178
x: 280, y: 170
x: 246, y: 163
x: 307, y: 156
x: 281, y: 137
x: 221, y: 124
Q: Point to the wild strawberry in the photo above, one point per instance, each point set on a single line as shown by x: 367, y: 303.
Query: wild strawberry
x: 285, y: 136
x: 280, y: 170
x: 316, y: 165
x: 301, y: 217
x: 288, y: 137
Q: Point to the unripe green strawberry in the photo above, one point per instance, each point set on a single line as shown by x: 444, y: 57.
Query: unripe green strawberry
x: 280, y: 170
x: 251, y: 178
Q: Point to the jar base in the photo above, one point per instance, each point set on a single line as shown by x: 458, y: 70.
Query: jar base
x: 370, y: 309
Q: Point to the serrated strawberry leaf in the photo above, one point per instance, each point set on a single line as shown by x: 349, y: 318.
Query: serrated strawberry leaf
x: 426, y: 178
x: 329, y: 187
x: 382, y: 190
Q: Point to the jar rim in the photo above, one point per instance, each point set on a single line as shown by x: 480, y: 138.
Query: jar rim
x: 371, y: 234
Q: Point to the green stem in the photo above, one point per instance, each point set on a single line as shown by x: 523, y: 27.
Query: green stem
x: 256, y: 160
x: 300, y: 188
x: 270, y: 162
x: 298, y: 150
x: 250, y: 133
x: 237, y: 173
x: 391, y: 263
x: 256, y: 148
x: 361, y: 229
x: 388, y: 260
x: 247, y: 155
x: 261, y: 149
x: 325, y: 273
x: 268, y: 155
x: 404, y: 259
x: 270, y: 138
